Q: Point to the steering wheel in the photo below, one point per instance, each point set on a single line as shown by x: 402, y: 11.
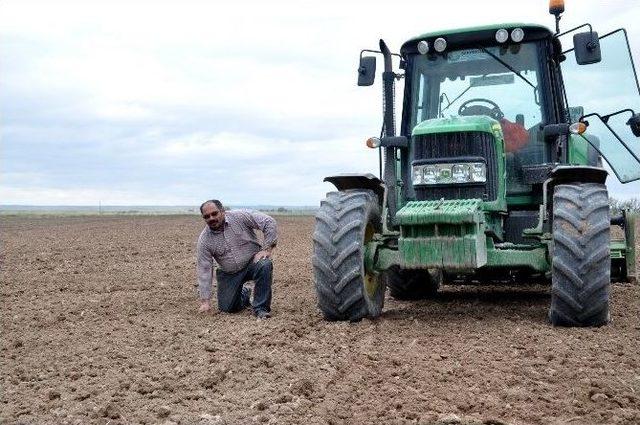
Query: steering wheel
x: 493, y: 111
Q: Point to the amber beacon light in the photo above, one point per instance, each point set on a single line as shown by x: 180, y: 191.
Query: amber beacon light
x: 556, y: 7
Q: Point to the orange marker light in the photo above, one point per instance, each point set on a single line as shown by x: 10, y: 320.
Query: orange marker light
x: 556, y: 7
x: 578, y: 128
x: 373, y: 142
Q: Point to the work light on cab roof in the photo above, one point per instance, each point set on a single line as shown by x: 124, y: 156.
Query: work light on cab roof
x: 440, y: 44
x: 502, y: 35
x: 423, y: 47
x: 517, y: 35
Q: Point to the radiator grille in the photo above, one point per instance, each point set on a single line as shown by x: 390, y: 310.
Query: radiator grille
x: 460, y: 144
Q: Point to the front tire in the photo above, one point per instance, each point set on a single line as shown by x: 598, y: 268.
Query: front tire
x: 413, y: 284
x: 581, y: 267
x: 345, y: 223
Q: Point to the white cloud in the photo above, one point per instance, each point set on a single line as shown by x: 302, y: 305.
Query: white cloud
x: 123, y: 111
x: 219, y: 147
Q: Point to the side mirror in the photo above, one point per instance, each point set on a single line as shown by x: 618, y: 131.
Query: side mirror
x: 367, y: 70
x: 634, y: 123
x: 587, y: 48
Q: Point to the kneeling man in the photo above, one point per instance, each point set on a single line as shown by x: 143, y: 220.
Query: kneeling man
x: 230, y: 246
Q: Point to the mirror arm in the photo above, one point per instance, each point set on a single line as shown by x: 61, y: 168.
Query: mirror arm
x: 605, y: 118
x: 575, y: 29
x: 377, y: 51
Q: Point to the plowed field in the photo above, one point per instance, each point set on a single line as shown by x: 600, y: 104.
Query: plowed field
x: 100, y: 325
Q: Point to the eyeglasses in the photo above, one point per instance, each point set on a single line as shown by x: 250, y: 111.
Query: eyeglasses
x: 206, y: 216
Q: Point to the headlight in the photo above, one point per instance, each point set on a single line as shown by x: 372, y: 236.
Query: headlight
x: 430, y: 174
x: 460, y: 173
x: 417, y: 175
x: 478, y: 172
x: 452, y: 173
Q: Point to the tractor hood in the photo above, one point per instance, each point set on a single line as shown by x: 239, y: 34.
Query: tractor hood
x: 458, y: 124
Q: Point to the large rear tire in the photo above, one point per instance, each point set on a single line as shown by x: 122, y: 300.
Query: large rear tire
x: 413, y: 284
x: 345, y: 222
x: 581, y: 267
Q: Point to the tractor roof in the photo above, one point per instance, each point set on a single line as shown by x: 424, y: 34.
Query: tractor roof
x: 482, y: 31
x: 476, y: 29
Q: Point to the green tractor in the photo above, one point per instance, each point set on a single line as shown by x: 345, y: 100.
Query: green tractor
x: 496, y: 175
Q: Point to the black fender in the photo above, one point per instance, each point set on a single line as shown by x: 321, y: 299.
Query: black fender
x: 563, y: 174
x: 578, y: 173
x: 358, y: 181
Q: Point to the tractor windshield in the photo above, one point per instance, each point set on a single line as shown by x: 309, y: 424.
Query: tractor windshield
x: 500, y: 82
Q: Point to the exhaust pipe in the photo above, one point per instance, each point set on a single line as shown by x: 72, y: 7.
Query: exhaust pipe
x: 388, y: 98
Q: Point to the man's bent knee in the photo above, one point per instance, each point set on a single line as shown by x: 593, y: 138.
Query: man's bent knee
x: 229, y: 308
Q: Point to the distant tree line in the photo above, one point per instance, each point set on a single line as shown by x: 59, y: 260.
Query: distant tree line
x: 617, y: 205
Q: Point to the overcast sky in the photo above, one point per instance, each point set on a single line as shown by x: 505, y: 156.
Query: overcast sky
x: 171, y: 103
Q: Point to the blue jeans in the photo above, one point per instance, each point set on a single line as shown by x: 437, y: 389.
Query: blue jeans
x: 232, y: 298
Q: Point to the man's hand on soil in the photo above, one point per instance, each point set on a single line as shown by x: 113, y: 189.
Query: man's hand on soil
x: 205, y: 306
x: 261, y: 254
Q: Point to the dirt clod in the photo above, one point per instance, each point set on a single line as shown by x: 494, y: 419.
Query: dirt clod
x: 449, y: 419
x: 302, y: 387
x: 214, y: 378
x: 207, y: 419
x: 110, y: 411
x: 261, y: 405
x: 163, y: 411
x: 598, y: 397
x: 286, y: 398
x: 83, y: 396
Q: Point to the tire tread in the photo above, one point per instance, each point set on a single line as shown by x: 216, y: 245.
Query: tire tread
x: 339, y: 252
x: 581, y: 258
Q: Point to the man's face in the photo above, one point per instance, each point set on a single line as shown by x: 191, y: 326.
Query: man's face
x: 213, y: 216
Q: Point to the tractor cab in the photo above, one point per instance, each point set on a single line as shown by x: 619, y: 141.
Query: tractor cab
x: 497, y: 72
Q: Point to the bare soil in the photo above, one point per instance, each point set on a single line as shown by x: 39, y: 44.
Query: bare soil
x: 100, y: 325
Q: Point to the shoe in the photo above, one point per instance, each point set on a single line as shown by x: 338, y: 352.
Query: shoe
x: 263, y: 314
x: 246, y: 297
